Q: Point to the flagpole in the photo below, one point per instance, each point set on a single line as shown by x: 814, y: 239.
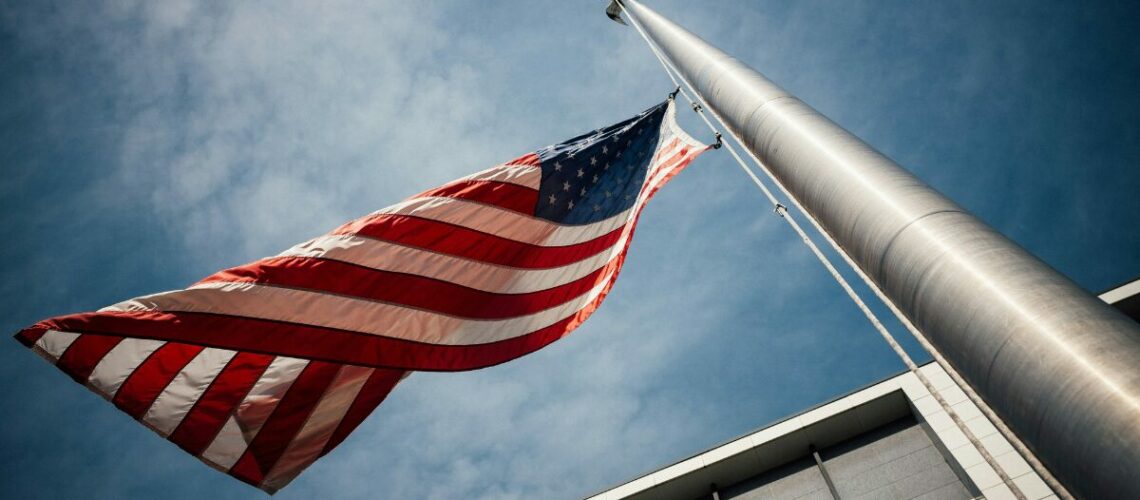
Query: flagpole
x: 779, y: 209
x: 1057, y: 364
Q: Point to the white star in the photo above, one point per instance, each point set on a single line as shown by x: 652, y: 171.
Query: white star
x: 571, y: 204
x: 582, y: 192
x: 628, y: 142
x: 607, y: 167
x: 593, y: 161
x: 616, y: 138
x: 557, y: 167
x: 595, y: 178
x: 553, y: 199
x: 597, y: 208
x: 605, y: 149
x: 619, y: 154
x: 565, y: 186
x: 581, y: 173
x: 641, y: 154
x: 608, y: 195
x: 628, y: 197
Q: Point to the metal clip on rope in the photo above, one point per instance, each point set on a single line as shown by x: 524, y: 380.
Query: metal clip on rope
x: 782, y: 211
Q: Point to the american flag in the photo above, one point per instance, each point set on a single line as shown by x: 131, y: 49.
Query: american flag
x: 261, y: 369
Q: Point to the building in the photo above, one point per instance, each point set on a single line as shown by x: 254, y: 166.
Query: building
x: 890, y: 440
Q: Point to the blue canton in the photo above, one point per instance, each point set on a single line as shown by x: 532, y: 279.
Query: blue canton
x: 597, y: 175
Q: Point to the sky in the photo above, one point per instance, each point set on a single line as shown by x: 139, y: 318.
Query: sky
x: 146, y: 144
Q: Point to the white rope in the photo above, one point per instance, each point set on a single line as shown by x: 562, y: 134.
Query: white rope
x: 699, y: 107
x: 974, y: 397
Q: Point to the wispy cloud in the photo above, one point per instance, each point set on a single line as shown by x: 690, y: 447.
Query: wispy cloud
x: 151, y: 143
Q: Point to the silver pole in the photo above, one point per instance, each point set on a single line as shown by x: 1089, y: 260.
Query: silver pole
x: 1058, y: 365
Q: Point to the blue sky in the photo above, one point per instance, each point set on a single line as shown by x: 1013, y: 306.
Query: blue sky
x: 147, y: 144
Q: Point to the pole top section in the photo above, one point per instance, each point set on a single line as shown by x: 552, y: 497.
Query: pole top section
x: 614, y: 12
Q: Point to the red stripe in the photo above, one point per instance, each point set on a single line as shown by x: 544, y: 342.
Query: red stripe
x: 512, y: 197
x: 210, y: 412
x: 29, y: 336
x: 677, y: 163
x: 379, y: 384
x: 287, y: 339
x: 324, y: 343
x: 84, y: 353
x: 464, y: 242
x: 287, y: 419
x: 302, y: 341
x: 139, y: 391
x: 531, y: 159
x: 410, y: 290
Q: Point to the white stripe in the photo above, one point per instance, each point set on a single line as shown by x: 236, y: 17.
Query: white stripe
x: 267, y: 392
x: 187, y: 386
x: 252, y: 300
x: 227, y: 447
x: 498, y: 221
x: 235, y: 436
x: 521, y: 175
x: 502, y: 222
x: 361, y: 315
x: 53, y: 344
x: 322, y: 422
x: 520, y: 227
x: 119, y: 363
x: 505, y: 223
x: 494, y: 278
x: 658, y: 174
x: 669, y: 126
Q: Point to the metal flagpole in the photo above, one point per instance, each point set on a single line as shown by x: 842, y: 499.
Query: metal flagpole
x: 1057, y: 364
x: 786, y: 216
x: 781, y: 210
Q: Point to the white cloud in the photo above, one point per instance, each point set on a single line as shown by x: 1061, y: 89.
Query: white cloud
x: 244, y: 128
x: 254, y: 125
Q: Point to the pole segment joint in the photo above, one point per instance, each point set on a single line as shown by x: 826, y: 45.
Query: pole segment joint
x: 1059, y: 366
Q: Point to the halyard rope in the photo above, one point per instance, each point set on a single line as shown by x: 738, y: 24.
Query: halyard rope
x: 699, y: 106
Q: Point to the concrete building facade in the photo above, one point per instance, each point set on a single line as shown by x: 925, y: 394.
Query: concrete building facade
x: 891, y: 441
